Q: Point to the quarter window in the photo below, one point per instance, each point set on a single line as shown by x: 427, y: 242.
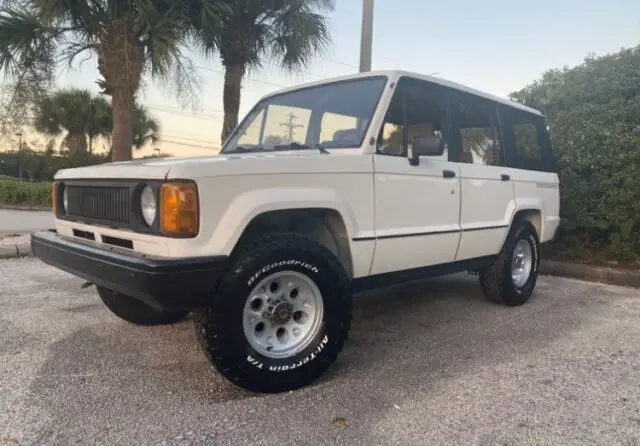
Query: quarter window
x: 528, y: 135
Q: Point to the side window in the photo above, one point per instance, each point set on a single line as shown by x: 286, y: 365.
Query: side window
x: 335, y: 129
x: 475, y: 126
x: 528, y: 136
x: 417, y: 109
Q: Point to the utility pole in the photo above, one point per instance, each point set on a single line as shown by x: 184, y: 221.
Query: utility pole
x: 366, y: 38
x: 290, y: 126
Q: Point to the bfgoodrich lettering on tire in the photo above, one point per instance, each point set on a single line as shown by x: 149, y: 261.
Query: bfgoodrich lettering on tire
x: 512, y: 277
x: 280, y: 315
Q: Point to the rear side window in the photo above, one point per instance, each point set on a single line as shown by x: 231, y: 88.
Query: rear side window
x: 474, y: 122
x: 527, y: 141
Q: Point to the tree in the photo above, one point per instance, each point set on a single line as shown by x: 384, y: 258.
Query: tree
x: 289, y: 32
x: 79, y: 113
x: 86, y: 117
x: 593, y: 112
x: 130, y: 38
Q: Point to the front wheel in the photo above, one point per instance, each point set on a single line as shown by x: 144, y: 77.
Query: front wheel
x: 512, y: 277
x: 280, y: 316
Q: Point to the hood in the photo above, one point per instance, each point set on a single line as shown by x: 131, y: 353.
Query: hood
x: 295, y: 161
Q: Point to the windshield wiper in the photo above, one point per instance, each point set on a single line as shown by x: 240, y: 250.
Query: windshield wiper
x: 280, y: 148
x: 318, y: 147
x: 242, y: 149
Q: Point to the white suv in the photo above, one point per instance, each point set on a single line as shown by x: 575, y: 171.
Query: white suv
x: 323, y: 190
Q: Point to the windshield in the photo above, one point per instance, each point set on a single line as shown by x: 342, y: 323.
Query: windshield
x: 334, y: 115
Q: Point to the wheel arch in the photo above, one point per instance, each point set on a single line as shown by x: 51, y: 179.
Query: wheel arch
x: 325, y: 225
x: 531, y: 214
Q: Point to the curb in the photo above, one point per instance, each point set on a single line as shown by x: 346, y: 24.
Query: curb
x: 15, y: 251
x: 613, y: 276
x: 17, y: 207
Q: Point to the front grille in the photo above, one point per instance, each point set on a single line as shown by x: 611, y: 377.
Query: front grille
x: 106, y: 203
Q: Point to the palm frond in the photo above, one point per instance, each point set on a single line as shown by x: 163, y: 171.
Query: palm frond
x: 23, y: 40
x: 182, y: 80
x: 145, y: 128
x: 297, y: 36
x: 27, y: 58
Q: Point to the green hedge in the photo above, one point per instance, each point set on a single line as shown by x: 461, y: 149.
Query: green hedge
x: 22, y: 193
x: 593, y: 111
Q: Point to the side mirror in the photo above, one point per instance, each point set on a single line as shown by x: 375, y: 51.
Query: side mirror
x: 425, y: 146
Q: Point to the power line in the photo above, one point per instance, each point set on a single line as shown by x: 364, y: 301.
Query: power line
x: 247, y: 78
x: 203, y: 141
x: 198, y: 146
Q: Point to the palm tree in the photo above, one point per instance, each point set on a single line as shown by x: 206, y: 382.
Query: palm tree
x: 78, y: 113
x: 145, y: 128
x: 130, y: 38
x: 289, y: 32
x: 86, y: 117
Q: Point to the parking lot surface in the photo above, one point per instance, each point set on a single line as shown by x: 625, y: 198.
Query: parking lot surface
x: 432, y: 363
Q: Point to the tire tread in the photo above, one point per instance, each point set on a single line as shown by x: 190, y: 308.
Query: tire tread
x: 242, y: 257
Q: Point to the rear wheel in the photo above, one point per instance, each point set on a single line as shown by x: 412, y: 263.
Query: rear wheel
x: 137, y: 312
x: 513, y: 276
x: 280, y: 316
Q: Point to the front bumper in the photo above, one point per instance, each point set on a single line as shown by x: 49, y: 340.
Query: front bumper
x: 180, y: 284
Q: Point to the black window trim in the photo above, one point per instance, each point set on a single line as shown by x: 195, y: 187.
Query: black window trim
x: 260, y: 104
x: 499, y: 118
x: 539, y: 122
x: 493, y: 108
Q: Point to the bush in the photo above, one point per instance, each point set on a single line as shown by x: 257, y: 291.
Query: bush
x: 22, y: 193
x: 593, y: 112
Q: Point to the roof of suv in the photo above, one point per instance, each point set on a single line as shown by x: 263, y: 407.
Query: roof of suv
x: 396, y: 74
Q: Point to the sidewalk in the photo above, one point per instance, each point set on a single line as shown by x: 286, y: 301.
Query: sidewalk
x: 16, y: 221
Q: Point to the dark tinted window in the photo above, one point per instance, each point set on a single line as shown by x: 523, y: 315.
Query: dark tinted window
x: 476, y: 131
x: 528, y: 146
x: 416, y: 109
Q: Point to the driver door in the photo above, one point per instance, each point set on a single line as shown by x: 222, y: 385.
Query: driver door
x: 417, y: 208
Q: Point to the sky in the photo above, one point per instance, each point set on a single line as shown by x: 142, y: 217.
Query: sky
x: 497, y: 46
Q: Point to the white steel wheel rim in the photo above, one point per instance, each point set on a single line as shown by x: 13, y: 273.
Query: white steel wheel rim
x: 283, y: 314
x: 521, y: 263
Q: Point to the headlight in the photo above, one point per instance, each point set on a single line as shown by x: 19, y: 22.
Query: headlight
x: 148, y: 205
x: 65, y: 200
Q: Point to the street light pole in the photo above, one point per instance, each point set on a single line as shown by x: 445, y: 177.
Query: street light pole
x: 366, y: 38
x: 19, y: 135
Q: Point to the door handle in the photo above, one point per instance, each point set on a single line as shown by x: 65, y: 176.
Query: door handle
x: 505, y: 177
x: 448, y: 173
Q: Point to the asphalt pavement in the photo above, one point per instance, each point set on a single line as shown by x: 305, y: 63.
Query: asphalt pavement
x: 14, y: 221
x: 432, y: 364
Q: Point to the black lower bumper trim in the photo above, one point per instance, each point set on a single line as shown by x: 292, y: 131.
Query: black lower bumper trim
x: 184, y: 284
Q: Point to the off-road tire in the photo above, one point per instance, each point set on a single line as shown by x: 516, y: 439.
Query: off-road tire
x: 496, y: 282
x: 220, y: 327
x: 137, y: 312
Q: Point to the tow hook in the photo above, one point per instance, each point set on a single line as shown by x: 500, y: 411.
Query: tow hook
x: 86, y: 285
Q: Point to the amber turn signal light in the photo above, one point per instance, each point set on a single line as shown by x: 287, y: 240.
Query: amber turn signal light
x: 179, y: 212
